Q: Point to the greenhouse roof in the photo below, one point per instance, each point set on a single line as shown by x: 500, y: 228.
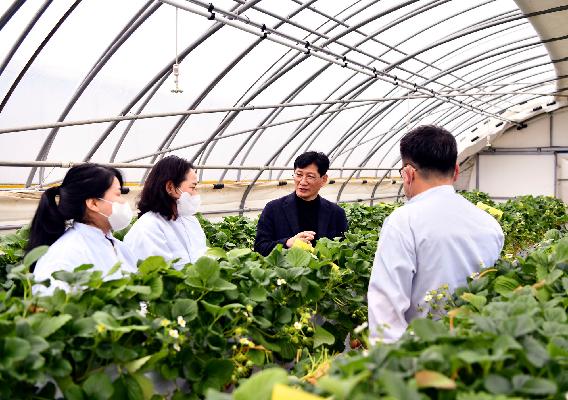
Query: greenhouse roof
x: 254, y: 83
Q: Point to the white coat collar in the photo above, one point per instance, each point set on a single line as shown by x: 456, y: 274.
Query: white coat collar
x: 436, y: 190
x: 91, y: 231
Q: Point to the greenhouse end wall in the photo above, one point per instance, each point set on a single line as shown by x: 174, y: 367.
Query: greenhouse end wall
x: 532, y: 160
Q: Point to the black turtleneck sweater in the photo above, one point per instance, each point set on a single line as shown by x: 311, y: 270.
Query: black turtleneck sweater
x: 308, y: 215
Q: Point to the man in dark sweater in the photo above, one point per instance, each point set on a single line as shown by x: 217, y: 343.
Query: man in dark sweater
x: 303, y: 215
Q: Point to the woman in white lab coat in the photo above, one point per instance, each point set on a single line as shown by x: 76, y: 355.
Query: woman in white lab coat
x: 76, y: 219
x: 167, y: 225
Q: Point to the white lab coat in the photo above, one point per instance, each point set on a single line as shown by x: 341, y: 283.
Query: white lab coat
x: 153, y: 235
x: 437, y: 238
x: 82, y: 244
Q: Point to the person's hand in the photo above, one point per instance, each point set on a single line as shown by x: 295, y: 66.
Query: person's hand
x: 305, y: 236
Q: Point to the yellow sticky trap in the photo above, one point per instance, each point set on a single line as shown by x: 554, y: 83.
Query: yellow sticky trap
x: 303, y: 245
x: 491, y: 210
x: 283, y: 392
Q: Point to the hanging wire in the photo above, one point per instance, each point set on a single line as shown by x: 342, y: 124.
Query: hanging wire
x: 42, y: 183
x: 407, y: 114
x: 175, y: 67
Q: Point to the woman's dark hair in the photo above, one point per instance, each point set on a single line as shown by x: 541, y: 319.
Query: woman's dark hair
x: 154, y: 195
x: 313, y: 157
x: 82, y: 182
x: 431, y: 148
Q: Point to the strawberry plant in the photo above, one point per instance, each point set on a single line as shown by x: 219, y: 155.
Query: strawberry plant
x: 476, y: 196
x: 505, y: 338
x: 232, y: 232
x: 527, y: 218
x: 211, y: 326
x: 364, y: 218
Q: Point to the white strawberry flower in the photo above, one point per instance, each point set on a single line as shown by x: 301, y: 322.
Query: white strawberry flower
x: 143, y: 309
x: 360, y: 328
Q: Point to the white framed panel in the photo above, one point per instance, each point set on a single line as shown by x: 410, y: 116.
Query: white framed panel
x: 560, y: 127
x: 509, y: 175
x: 536, y: 134
x: 563, y: 176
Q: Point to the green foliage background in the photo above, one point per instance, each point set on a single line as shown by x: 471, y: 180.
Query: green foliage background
x: 205, y: 329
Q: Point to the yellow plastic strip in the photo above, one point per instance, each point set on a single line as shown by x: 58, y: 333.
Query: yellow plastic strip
x: 283, y: 392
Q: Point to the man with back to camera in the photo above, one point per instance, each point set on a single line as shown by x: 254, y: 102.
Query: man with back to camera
x: 438, y: 237
x: 303, y: 215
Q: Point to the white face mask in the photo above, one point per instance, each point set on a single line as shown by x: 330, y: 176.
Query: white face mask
x: 120, y: 216
x: 188, y: 205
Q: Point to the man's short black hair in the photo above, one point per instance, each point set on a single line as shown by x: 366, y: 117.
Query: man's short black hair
x: 431, y: 148
x: 313, y: 157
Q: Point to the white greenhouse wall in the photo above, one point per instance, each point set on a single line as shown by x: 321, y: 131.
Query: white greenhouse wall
x: 563, y: 176
x: 535, y: 135
x: 533, y: 160
x: 560, y: 127
x: 511, y: 175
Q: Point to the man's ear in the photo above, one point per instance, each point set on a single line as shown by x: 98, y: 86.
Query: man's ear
x: 456, y: 172
x: 324, y: 178
x: 407, y: 174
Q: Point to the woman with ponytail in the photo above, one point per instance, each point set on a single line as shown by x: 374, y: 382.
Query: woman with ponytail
x: 167, y: 225
x: 76, y: 219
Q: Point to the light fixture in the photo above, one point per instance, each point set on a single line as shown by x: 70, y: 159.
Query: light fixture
x: 175, y: 67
